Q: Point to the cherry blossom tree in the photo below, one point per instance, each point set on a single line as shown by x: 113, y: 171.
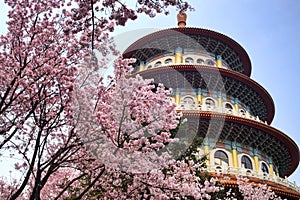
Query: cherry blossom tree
x: 134, y: 121
x: 44, y: 106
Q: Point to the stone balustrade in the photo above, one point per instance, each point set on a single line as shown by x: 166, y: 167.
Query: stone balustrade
x: 252, y: 173
x: 218, y: 109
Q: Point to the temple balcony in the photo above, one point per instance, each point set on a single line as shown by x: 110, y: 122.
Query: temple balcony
x: 249, y: 173
x: 211, y: 106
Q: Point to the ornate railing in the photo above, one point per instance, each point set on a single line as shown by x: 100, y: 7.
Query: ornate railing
x: 251, y: 173
x: 222, y: 110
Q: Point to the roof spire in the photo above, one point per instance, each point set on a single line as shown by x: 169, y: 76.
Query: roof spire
x: 181, y: 18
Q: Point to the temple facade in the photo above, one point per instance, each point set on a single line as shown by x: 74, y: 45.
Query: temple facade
x: 209, y: 74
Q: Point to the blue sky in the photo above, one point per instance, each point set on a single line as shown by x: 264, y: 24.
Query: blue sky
x: 268, y: 30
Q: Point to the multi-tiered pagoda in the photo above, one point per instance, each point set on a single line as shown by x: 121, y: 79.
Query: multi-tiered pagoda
x: 210, y: 77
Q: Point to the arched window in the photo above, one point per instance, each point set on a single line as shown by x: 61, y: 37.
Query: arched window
x: 246, y: 162
x: 221, y: 158
x: 209, y: 62
x: 264, y: 168
x: 243, y: 112
x: 200, y: 61
x: 188, y: 101
x: 149, y: 67
x: 189, y: 60
x: 228, y: 108
x: 157, y: 64
x: 210, y: 104
x: 168, y: 61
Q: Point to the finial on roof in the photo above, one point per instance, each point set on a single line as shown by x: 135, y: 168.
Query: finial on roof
x: 181, y: 18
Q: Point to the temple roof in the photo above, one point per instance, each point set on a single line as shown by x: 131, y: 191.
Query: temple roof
x: 283, y: 150
x: 216, y: 79
x: 166, y: 41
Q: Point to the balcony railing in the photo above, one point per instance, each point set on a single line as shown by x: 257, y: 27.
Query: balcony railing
x: 251, y: 173
x: 222, y: 110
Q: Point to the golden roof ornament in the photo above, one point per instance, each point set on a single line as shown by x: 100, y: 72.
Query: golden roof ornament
x: 181, y: 18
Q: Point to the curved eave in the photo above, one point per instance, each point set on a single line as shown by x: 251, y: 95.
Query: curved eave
x: 268, y: 101
x: 242, y: 54
x: 290, y: 145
